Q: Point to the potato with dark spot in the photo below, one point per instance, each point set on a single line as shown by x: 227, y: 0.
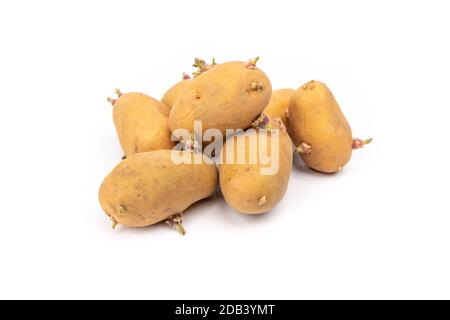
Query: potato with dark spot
x: 255, y: 184
x: 319, y: 129
x: 278, y: 104
x: 141, y: 123
x: 175, y: 91
x: 228, y: 96
x: 150, y: 187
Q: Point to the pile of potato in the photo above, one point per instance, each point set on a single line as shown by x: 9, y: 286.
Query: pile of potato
x: 148, y: 187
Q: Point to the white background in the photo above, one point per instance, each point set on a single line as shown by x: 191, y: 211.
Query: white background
x: 378, y: 229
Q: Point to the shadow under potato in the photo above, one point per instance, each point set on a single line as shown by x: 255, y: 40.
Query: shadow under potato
x: 227, y: 215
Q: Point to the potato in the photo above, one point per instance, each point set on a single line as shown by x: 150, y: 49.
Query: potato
x: 141, y: 123
x: 175, y: 91
x: 319, y: 129
x: 278, y: 105
x: 244, y: 186
x: 229, y: 96
x: 149, y: 187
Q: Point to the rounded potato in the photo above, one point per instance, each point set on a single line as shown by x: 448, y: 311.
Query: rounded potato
x: 244, y: 186
x: 141, y: 123
x: 319, y: 128
x: 278, y: 104
x: 174, y: 92
x: 149, y: 187
x: 229, y: 96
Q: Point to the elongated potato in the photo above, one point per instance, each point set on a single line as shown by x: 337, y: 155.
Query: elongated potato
x: 149, y: 187
x: 278, y: 104
x: 229, y: 96
x: 245, y: 186
x: 319, y: 128
x: 141, y: 123
x: 174, y: 92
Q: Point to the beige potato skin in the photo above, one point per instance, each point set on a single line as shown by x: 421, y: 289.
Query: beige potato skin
x: 243, y: 186
x: 315, y: 118
x: 278, y: 104
x: 174, y: 92
x: 228, y: 96
x: 147, y: 188
x: 141, y: 123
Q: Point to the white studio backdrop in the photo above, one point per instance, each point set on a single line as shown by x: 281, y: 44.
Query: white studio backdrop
x: 378, y: 229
